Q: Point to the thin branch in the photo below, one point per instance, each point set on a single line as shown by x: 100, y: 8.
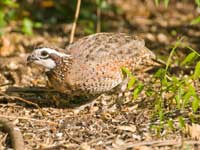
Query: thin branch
x: 162, y: 143
x: 51, y: 123
x: 57, y: 146
x: 98, y: 27
x: 51, y: 147
x: 14, y: 133
x: 5, y: 84
x: 75, y: 21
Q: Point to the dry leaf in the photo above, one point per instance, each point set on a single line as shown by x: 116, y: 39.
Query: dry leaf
x: 6, y: 48
x: 130, y: 128
x: 85, y: 146
x: 193, y: 131
x: 118, y: 143
x: 143, y: 148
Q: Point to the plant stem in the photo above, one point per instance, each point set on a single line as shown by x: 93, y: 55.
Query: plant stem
x: 75, y: 21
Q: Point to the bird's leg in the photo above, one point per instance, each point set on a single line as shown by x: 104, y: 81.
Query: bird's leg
x: 122, y: 90
x: 88, y: 104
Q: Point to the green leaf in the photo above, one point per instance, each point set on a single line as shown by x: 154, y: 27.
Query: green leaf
x: 161, y: 115
x: 149, y: 92
x: 138, y: 90
x: 2, y: 22
x: 27, y: 26
x: 197, y: 2
x: 11, y: 15
x: 2, y: 19
x: 126, y: 72
x: 176, y: 80
x: 160, y: 73
x: 104, y: 5
x: 181, y: 122
x: 174, y: 32
x: 166, y: 3
x: 170, y: 124
x: 9, y: 3
x: 193, y: 50
x: 195, y: 104
x: 157, y: 2
x: 89, y: 25
x: 189, y: 58
x: 37, y: 25
x: 197, y: 71
x: 98, y: 2
x: 178, y: 97
x: 177, y: 44
x: 195, y: 21
x: 131, y: 82
x: 190, y: 93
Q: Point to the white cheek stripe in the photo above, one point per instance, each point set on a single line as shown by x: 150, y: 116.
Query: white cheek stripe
x: 48, y: 63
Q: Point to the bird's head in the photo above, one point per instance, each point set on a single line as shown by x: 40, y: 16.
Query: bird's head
x: 46, y: 57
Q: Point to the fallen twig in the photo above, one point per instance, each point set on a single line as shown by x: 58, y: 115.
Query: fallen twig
x: 56, y: 146
x: 73, y: 139
x: 14, y: 133
x: 5, y: 84
x: 161, y: 143
x: 31, y: 119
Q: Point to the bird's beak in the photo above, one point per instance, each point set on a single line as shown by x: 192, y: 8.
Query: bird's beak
x: 31, y: 59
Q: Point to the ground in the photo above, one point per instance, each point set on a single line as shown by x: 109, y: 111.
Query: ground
x: 102, y: 125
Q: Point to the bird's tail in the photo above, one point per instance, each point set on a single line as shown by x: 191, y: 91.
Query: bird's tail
x: 160, y: 62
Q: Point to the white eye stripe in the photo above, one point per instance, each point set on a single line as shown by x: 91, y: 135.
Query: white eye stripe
x: 51, y: 51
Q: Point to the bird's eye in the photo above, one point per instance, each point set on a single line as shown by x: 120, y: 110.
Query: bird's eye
x: 44, y: 54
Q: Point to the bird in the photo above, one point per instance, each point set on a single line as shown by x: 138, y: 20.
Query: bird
x: 92, y: 65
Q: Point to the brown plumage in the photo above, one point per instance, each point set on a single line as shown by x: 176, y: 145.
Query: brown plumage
x: 92, y: 65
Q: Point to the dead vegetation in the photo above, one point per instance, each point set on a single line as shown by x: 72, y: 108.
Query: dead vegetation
x: 47, y: 120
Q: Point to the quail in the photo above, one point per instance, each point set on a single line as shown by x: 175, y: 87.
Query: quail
x: 92, y: 65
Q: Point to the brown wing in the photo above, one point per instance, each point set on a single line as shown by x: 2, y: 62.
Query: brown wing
x: 108, y: 47
x: 105, y: 46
